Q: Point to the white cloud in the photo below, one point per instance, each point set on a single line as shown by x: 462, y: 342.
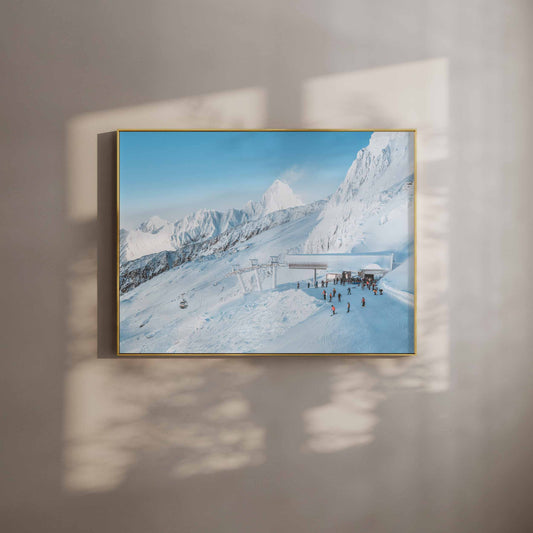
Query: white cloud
x: 292, y: 175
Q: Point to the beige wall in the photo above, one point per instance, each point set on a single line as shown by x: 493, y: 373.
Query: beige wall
x: 437, y: 443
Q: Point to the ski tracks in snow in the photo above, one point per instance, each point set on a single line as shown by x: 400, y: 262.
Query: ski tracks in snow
x: 247, y: 325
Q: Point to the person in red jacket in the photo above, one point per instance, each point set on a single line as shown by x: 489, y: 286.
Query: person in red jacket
x: 333, y: 309
x: 363, y: 301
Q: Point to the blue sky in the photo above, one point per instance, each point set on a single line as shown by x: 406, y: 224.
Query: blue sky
x: 171, y: 174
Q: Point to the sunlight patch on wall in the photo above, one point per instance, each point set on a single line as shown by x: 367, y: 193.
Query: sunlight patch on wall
x: 409, y: 95
x: 350, y: 416
x: 188, y: 415
x: 242, y: 108
x: 405, y: 96
x: 121, y: 415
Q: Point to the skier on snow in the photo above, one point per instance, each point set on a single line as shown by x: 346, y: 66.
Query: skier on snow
x: 333, y: 309
x: 348, y: 310
x: 363, y: 301
x: 349, y: 290
x: 339, y: 295
x: 324, y: 293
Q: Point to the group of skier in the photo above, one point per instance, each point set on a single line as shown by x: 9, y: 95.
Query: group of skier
x: 368, y: 284
x: 332, y: 294
x: 372, y: 286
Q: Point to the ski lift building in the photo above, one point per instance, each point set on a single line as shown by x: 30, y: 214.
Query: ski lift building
x: 372, y: 271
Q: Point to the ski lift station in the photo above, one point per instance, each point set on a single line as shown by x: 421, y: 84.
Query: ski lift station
x: 331, y: 266
x: 343, y: 266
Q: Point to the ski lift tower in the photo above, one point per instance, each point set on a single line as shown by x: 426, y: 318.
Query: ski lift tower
x: 237, y: 270
x: 255, y: 266
x: 274, y: 261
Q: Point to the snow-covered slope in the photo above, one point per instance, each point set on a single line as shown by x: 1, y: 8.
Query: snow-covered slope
x: 157, y: 235
x: 400, y: 282
x: 370, y: 209
x: 221, y: 319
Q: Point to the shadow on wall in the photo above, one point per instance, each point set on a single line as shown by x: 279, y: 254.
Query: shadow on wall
x: 152, y: 422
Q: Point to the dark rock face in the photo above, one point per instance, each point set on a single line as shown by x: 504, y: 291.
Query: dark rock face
x: 133, y: 273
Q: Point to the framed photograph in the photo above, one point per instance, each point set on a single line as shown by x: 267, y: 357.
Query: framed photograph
x: 266, y: 242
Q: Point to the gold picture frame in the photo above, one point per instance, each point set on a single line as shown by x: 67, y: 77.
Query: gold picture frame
x: 254, y: 354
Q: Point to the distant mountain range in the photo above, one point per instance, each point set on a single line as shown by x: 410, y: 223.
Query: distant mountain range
x: 156, y: 235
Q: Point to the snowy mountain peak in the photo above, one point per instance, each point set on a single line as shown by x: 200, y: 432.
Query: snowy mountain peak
x: 376, y: 185
x: 379, y: 141
x: 152, y: 225
x: 386, y: 160
x: 279, y: 196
